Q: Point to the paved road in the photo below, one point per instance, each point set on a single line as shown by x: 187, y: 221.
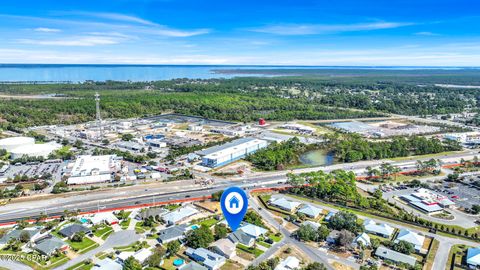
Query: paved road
x: 116, y: 239
x: 13, y: 265
x: 445, y: 243
x: 312, y: 253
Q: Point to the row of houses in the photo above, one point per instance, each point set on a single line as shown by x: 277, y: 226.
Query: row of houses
x: 39, y: 239
x: 294, y: 206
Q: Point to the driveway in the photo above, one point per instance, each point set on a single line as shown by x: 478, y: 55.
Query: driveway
x: 13, y: 265
x: 121, y: 238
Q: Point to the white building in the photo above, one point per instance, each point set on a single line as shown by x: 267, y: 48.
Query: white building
x: 179, y: 215
x: 310, y: 211
x: 224, y: 154
x: 380, y: 229
x: 253, y: 230
x: 411, y: 237
x: 34, y: 150
x: 363, y: 239
x: 285, y: 204
x: 14, y: 142
x: 473, y: 257
x: 104, y: 217
x: 94, y: 169
x: 290, y: 263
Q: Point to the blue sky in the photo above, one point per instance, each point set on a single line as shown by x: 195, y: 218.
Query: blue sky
x: 341, y: 32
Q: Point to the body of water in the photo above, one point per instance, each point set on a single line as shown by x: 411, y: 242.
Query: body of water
x: 317, y: 158
x: 81, y: 73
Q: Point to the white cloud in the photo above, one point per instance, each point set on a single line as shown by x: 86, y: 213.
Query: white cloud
x: 317, y: 29
x: 118, y: 17
x: 426, y: 33
x: 75, y: 41
x: 47, y: 30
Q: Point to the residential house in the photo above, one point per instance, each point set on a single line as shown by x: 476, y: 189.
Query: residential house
x: 310, y: 211
x: 284, y: 204
x: 312, y: 224
x: 172, y: 233
x: 192, y: 266
x: 34, y: 233
x: 50, y: 245
x: 290, y: 263
x: 107, y: 264
x: 333, y: 237
x: 473, y: 257
x: 104, y: 217
x: 179, y: 215
x: 142, y: 255
x: 329, y: 216
x: 209, y: 259
x: 253, y: 230
x: 241, y: 237
x: 363, y: 239
x: 72, y: 229
x: 380, y: 229
x: 224, y: 247
x: 411, y: 237
x: 396, y: 257
x: 151, y: 212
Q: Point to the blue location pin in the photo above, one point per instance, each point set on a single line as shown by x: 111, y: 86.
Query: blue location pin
x: 234, y: 205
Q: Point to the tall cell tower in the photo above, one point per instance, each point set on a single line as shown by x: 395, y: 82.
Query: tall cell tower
x: 98, y: 115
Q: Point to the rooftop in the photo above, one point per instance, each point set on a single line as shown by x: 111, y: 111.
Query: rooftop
x: 392, y: 255
x: 224, y: 149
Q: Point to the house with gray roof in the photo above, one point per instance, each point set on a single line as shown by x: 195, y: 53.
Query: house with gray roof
x: 396, y: 257
x: 241, y: 237
x: 284, y: 204
x: 33, y: 232
x: 224, y: 247
x: 72, y: 229
x: 411, y: 237
x: 209, y: 259
x: 310, y: 211
x: 50, y: 245
x: 151, y: 212
x: 192, y: 266
x: 179, y: 215
x: 172, y: 233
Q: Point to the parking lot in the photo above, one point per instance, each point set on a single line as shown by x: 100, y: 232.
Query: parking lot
x: 464, y: 195
x: 34, y: 169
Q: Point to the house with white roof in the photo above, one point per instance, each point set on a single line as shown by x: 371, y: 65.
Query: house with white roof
x: 224, y: 247
x: 107, y: 264
x: 312, y: 224
x: 142, y: 255
x: 241, y: 237
x: 179, y: 215
x: 290, y: 263
x: 411, y: 237
x: 379, y: 229
x: 363, y: 239
x: 253, y: 230
x: 284, y: 204
x: 209, y: 259
x: 473, y: 257
x: 104, y: 217
x: 310, y: 211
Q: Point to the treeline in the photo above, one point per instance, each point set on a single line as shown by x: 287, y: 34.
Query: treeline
x: 277, y: 156
x: 353, y: 147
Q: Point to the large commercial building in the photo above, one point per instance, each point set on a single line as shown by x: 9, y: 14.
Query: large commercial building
x: 25, y: 146
x: 94, y: 169
x: 224, y: 154
x: 34, y: 150
x: 13, y: 142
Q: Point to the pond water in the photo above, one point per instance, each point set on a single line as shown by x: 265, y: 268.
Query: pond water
x: 317, y: 158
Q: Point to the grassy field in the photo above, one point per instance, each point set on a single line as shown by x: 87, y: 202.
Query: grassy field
x: 125, y: 223
x: 426, y: 156
x: 81, y: 266
x: 431, y: 255
x: 208, y: 222
x: 84, y: 246
x: 103, y: 232
x: 254, y: 251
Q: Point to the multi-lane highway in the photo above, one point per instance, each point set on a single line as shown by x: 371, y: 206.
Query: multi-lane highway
x: 160, y: 192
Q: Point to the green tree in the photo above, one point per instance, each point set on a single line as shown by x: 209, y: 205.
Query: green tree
x: 132, y: 264
x: 220, y: 231
x: 173, y: 247
x: 201, y: 237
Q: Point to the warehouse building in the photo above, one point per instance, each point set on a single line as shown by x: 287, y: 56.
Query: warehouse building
x: 224, y: 154
x: 13, y: 142
x: 94, y: 169
x: 34, y: 150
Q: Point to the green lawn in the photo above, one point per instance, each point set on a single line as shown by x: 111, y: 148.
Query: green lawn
x: 274, y: 237
x: 264, y: 244
x: 208, y: 222
x: 255, y: 251
x: 84, y: 246
x: 81, y: 266
x: 101, y: 232
x: 125, y: 223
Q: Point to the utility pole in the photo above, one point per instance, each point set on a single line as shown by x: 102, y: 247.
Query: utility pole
x: 98, y: 116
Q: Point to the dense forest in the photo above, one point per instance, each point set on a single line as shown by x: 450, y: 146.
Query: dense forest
x: 278, y: 155
x: 353, y: 147
x: 239, y: 99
